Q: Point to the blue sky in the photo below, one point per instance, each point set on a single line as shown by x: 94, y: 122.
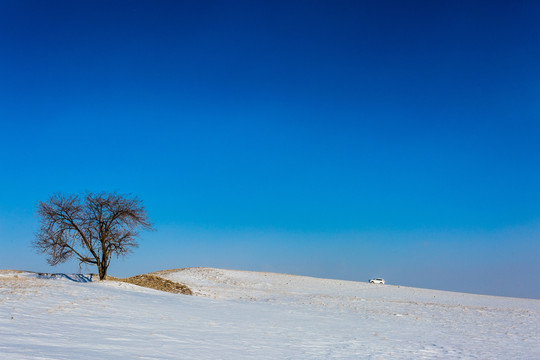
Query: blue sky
x: 335, y: 139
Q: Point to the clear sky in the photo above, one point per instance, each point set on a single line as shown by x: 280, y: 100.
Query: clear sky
x: 337, y: 139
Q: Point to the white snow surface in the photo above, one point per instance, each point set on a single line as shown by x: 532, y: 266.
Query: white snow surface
x: 252, y: 315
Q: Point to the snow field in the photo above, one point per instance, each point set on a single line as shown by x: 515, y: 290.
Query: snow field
x: 248, y: 315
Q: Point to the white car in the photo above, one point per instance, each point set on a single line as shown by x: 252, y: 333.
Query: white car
x: 376, y: 281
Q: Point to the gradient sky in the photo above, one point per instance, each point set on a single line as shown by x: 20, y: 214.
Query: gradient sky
x: 325, y: 138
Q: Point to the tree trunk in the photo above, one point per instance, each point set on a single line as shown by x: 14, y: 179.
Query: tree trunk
x: 102, y: 271
x: 103, y: 263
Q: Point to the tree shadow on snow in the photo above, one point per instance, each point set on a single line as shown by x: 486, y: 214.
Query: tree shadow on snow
x: 79, y: 278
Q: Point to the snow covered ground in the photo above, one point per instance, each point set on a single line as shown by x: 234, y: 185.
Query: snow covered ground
x: 249, y: 315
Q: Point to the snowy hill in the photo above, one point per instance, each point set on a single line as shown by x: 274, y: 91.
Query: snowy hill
x: 250, y: 315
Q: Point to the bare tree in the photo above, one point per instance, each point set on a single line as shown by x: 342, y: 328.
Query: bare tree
x: 90, y: 228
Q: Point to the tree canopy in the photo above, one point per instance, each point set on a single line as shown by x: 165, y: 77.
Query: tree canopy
x: 92, y: 228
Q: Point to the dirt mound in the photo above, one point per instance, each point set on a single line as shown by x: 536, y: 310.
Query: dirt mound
x: 157, y: 283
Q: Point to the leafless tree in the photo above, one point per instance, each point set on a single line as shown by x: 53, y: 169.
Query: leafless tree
x: 90, y: 228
